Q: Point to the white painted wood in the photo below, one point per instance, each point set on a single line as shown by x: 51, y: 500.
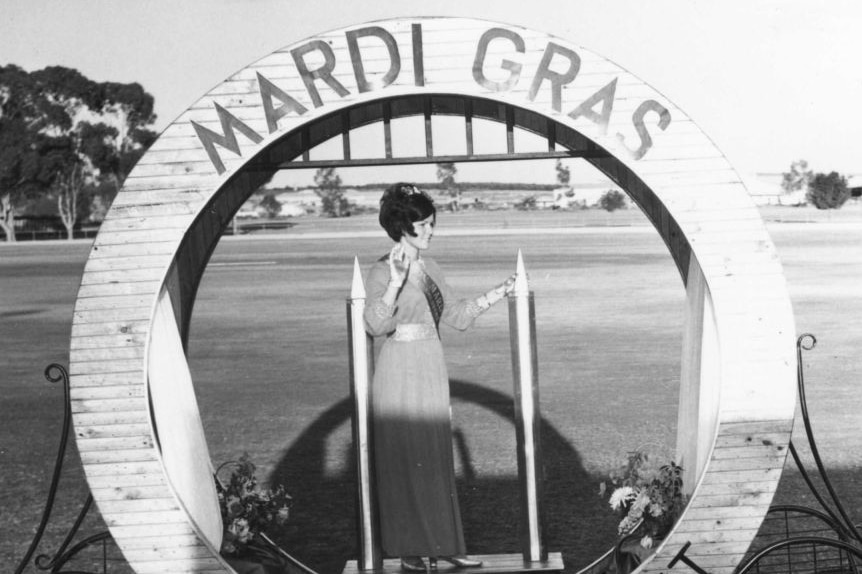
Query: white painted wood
x: 177, y: 423
x: 747, y: 339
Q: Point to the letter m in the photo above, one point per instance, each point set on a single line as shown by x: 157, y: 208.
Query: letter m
x: 209, y: 138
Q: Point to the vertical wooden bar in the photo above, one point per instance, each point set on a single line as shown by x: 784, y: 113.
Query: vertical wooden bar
x: 418, y: 57
x: 510, y: 129
x: 522, y: 333
x: 305, y: 141
x: 429, y: 137
x: 370, y: 553
x: 387, y: 128
x: 468, y: 124
x: 345, y: 134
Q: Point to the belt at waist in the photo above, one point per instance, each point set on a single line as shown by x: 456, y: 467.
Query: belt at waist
x: 414, y: 331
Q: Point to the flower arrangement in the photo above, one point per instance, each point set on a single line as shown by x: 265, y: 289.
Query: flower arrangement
x: 246, y: 509
x: 647, y: 495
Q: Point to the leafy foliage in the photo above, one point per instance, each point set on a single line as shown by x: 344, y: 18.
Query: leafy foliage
x: 828, y: 191
x: 329, y: 190
x: 247, y: 510
x: 446, y: 177
x: 612, y: 200
x: 528, y: 203
x: 270, y: 205
x: 797, y: 178
x: 564, y: 174
x: 647, y: 495
x: 67, y: 136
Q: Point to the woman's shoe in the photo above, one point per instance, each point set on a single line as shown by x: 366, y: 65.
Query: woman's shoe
x: 413, y: 564
x: 457, y: 561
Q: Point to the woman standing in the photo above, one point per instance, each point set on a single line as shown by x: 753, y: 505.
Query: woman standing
x: 407, y: 298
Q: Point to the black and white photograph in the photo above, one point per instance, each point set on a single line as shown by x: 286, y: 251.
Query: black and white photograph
x: 294, y: 287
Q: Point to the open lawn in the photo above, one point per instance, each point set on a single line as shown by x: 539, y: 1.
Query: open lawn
x: 268, y: 353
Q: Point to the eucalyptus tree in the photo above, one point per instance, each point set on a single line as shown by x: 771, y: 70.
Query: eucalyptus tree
x: 68, y: 136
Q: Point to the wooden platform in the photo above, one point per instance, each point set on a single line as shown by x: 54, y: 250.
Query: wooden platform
x: 490, y: 563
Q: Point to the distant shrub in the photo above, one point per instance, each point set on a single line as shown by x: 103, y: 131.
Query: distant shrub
x: 477, y: 204
x: 270, y: 205
x: 828, y: 191
x: 612, y: 200
x: 528, y: 203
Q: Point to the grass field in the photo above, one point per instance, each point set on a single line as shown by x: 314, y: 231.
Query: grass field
x: 268, y: 354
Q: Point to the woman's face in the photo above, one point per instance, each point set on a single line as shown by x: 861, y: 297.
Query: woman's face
x: 423, y: 229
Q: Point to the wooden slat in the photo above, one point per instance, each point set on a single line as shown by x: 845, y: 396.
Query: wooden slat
x: 142, y: 518
x: 138, y: 505
x: 111, y: 418
x: 138, y: 531
x: 125, y: 352
x: 108, y: 379
x: 155, y: 542
x: 134, y: 492
x: 110, y: 431
x: 119, y: 456
x: 115, y: 444
x: 108, y: 392
x: 106, y: 342
x: 162, y: 553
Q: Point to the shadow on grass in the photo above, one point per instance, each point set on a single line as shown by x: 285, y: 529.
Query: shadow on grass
x: 322, y: 529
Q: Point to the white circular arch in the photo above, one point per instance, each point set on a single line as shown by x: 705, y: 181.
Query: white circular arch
x: 136, y: 421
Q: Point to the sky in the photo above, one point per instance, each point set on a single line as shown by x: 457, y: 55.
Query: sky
x: 770, y: 81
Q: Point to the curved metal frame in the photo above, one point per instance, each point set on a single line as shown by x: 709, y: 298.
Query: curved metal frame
x: 800, y: 541
x: 834, y: 515
x: 56, y: 373
x: 844, y: 523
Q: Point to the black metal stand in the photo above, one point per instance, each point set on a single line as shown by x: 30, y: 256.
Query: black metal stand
x: 56, y: 373
x: 799, y: 550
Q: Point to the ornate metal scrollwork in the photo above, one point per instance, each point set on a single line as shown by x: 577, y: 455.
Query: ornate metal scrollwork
x: 57, y: 373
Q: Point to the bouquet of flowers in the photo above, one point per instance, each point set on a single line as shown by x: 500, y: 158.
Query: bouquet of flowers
x: 646, y: 495
x: 246, y: 509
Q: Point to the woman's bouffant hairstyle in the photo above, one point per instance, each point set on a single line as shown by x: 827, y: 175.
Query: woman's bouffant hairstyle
x: 402, y: 204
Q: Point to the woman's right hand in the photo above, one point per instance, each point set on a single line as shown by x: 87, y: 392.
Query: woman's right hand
x: 399, y: 265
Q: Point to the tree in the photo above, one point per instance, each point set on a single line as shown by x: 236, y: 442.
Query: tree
x: 564, y: 174
x: 270, y: 205
x: 74, y: 138
x: 828, y: 191
x: 612, y: 200
x: 329, y: 190
x: 15, y: 165
x: 446, y: 176
x: 528, y: 203
x: 797, y: 178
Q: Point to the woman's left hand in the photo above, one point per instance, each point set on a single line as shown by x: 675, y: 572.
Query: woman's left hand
x: 507, y: 286
x: 501, y: 290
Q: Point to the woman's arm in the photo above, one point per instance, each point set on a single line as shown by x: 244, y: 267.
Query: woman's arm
x: 381, y: 294
x: 460, y: 313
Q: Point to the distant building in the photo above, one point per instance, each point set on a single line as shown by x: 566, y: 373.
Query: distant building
x: 765, y: 189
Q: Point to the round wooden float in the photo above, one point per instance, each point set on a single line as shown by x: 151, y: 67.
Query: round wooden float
x: 136, y: 421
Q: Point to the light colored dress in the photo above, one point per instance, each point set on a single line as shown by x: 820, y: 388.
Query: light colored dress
x: 412, y: 435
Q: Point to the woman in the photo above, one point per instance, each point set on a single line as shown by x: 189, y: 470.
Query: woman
x: 407, y: 298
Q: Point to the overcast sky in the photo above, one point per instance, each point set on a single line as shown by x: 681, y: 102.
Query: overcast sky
x: 769, y: 81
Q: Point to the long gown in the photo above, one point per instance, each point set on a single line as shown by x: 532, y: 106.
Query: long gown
x: 412, y: 437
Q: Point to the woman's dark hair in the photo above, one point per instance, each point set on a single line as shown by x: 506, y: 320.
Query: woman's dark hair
x: 402, y: 204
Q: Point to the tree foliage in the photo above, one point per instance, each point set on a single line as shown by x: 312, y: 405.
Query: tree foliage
x: 612, y: 200
x: 797, y: 178
x: 828, y: 191
x: 64, y: 135
x: 446, y: 176
x: 270, y: 205
x: 331, y: 194
x: 564, y: 174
